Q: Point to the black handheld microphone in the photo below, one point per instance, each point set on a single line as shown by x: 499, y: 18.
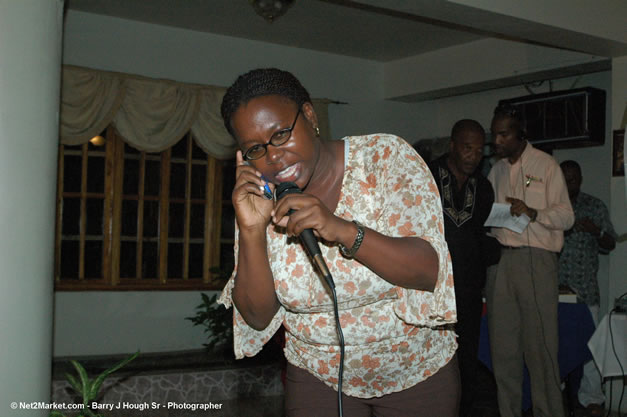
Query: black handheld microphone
x: 307, y: 237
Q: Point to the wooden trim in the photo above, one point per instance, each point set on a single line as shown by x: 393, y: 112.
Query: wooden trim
x: 213, y: 216
x: 108, y: 216
x: 140, y: 216
x: 116, y: 226
x: 141, y: 285
x: 83, y: 213
x: 217, y: 212
x: 207, y: 255
x: 58, y: 240
x: 73, y: 194
x: 164, y: 208
x: 188, y: 207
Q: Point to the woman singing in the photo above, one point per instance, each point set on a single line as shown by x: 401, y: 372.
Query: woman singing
x: 375, y: 210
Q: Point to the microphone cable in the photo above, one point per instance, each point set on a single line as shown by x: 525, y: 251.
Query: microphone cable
x: 340, y: 335
x: 622, y: 370
x: 312, y: 248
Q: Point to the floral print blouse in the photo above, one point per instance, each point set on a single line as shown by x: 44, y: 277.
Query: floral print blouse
x: 395, y: 337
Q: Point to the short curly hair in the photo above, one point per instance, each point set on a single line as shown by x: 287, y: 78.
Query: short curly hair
x: 506, y: 110
x: 261, y: 82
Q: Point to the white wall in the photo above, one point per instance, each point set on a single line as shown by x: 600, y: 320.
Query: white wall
x: 108, y: 322
x: 30, y: 57
x: 470, y: 66
x: 162, y: 52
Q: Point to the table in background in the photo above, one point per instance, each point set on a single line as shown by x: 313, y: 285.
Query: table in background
x: 575, y: 329
x: 609, y: 343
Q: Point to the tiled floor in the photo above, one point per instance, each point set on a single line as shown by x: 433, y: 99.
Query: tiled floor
x: 272, y: 405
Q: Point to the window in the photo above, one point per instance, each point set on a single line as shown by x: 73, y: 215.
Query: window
x: 128, y: 219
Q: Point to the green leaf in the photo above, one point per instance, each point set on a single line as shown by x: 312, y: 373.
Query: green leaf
x: 90, y: 413
x: 56, y: 413
x: 100, y: 379
x: 82, y: 373
x: 205, y: 298
x: 74, y: 383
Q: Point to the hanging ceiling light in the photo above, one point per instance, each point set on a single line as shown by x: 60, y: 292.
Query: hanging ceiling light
x: 271, y: 9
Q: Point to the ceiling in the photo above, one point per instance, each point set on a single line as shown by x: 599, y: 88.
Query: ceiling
x: 334, y: 26
x: 389, y: 30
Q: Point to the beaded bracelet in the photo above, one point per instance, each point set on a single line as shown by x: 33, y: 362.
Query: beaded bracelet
x: 349, y: 253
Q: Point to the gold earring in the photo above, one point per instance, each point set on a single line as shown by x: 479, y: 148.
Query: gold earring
x: 317, y: 129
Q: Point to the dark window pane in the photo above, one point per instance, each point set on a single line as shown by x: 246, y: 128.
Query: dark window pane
x: 197, y: 221
x: 129, y: 218
x: 197, y: 152
x: 151, y: 218
x: 69, y: 259
x: 93, y: 259
x: 574, y: 111
x: 131, y: 177
x: 177, y: 180
x: 72, y: 173
x: 150, y: 260
x: 555, y: 117
x: 71, y: 216
x: 199, y: 181
x: 153, y: 178
x: 196, y: 260
x: 128, y: 259
x: 534, y: 120
x: 94, y: 207
x: 128, y: 149
x: 227, y: 258
x: 228, y: 178
x: 180, y: 149
x: 95, y: 174
x: 228, y: 222
x: 175, y: 260
x: 177, y: 220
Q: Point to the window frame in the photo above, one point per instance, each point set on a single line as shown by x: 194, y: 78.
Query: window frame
x: 113, y: 196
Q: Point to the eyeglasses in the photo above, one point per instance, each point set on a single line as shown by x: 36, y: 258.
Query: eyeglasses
x: 277, y: 139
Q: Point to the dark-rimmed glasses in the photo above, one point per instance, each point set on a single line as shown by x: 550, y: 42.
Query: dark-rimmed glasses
x: 278, y: 138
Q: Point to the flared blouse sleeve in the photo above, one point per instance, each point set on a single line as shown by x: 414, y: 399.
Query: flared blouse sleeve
x: 412, y: 208
x: 246, y: 340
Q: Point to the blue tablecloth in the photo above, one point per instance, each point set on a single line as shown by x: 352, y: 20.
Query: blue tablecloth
x: 575, y: 329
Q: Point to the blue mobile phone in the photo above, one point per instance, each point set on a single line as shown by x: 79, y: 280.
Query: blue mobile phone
x: 266, y: 189
x: 267, y: 193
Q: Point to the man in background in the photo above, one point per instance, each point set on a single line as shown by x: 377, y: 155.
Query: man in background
x: 523, y: 294
x: 467, y: 198
x: 578, y: 266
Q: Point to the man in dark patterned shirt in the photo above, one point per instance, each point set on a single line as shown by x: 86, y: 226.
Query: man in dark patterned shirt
x: 467, y: 198
x: 579, y: 262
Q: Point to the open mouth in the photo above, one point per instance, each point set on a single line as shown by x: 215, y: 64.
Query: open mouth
x: 287, y: 173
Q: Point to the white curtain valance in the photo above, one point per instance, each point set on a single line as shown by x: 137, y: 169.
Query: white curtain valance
x: 150, y: 114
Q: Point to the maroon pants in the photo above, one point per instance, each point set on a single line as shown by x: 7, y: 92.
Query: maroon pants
x: 437, y: 396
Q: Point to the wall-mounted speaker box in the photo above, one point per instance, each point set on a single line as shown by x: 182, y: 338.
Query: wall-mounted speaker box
x: 563, y: 119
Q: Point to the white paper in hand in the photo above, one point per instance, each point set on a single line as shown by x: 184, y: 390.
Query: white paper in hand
x: 501, y: 217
